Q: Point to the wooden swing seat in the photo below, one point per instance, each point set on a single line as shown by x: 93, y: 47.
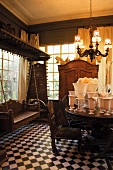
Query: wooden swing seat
x: 17, y: 115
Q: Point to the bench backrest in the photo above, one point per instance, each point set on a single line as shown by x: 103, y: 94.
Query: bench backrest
x: 16, y: 106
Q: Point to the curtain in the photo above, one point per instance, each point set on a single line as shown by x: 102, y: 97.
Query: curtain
x: 105, y: 66
x: 23, y: 72
x: 22, y: 82
x: 24, y: 65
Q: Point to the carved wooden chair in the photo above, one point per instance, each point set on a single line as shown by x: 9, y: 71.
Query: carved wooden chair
x: 61, y: 132
x: 72, y: 121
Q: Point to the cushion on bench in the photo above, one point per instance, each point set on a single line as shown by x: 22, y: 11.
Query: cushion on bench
x: 24, y: 115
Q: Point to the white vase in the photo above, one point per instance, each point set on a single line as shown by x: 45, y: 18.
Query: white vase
x: 107, y: 103
x: 93, y: 87
x: 80, y: 89
x: 80, y: 92
x: 71, y: 101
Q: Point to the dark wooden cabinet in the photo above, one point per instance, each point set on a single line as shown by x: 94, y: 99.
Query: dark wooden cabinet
x: 40, y: 78
x: 70, y: 72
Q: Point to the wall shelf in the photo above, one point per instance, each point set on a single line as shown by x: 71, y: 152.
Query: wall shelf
x: 11, y: 43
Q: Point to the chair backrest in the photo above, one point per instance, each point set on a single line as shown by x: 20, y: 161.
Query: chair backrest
x: 52, y: 118
x: 61, y: 117
x: 65, y: 101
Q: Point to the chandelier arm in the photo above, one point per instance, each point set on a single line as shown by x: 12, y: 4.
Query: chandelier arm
x: 82, y: 54
x: 99, y: 53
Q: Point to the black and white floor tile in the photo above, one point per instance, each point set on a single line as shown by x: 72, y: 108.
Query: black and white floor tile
x: 29, y: 148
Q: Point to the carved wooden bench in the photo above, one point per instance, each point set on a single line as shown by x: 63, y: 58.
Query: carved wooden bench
x: 17, y: 114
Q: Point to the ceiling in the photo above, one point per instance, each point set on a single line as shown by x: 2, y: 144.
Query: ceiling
x: 43, y: 11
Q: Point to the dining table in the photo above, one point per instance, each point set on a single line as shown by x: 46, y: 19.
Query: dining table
x: 97, y: 117
x: 100, y: 125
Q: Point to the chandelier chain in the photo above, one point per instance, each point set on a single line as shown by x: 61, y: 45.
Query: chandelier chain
x: 90, y: 13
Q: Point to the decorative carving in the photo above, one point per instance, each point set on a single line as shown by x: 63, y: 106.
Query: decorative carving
x: 61, y: 61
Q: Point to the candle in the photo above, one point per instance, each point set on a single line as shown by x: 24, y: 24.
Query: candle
x: 96, y: 33
x: 107, y: 41
x: 77, y: 38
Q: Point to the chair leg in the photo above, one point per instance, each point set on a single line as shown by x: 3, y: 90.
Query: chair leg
x: 53, y: 145
x: 58, y: 140
x: 108, y: 163
x: 80, y: 145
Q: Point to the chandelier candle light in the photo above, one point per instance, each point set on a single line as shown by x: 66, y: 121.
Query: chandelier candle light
x: 93, y: 50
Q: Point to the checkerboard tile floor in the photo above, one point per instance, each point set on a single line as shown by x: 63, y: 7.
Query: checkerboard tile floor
x: 29, y: 148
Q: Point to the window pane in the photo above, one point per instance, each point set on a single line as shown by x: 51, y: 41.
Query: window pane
x: 55, y: 95
x: 71, y: 56
x: 56, y: 77
x: 54, y: 58
x: 5, y: 55
x: 50, y: 67
x: 0, y: 63
x: 10, y: 56
x: 5, y: 64
x: 55, y: 67
x: 50, y: 85
x: 50, y: 94
x: 56, y: 85
x: 5, y: 75
x: 71, y: 48
x: 50, y: 76
x: 65, y: 48
x: 56, y: 49
x: 50, y: 49
x: 51, y: 59
x: 11, y: 64
x: 5, y: 85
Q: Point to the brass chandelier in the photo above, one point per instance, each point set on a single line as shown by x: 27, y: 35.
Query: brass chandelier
x: 95, y: 38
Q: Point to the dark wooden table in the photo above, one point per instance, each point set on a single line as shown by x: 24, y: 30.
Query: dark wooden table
x: 98, y: 123
x: 100, y: 126
x: 97, y: 117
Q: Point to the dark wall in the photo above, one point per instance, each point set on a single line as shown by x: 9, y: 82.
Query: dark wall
x: 57, y: 36
x: 8, y: 18
x: 64, y: 31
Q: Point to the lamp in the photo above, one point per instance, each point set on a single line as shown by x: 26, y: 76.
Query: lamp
x: 95, y: 38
